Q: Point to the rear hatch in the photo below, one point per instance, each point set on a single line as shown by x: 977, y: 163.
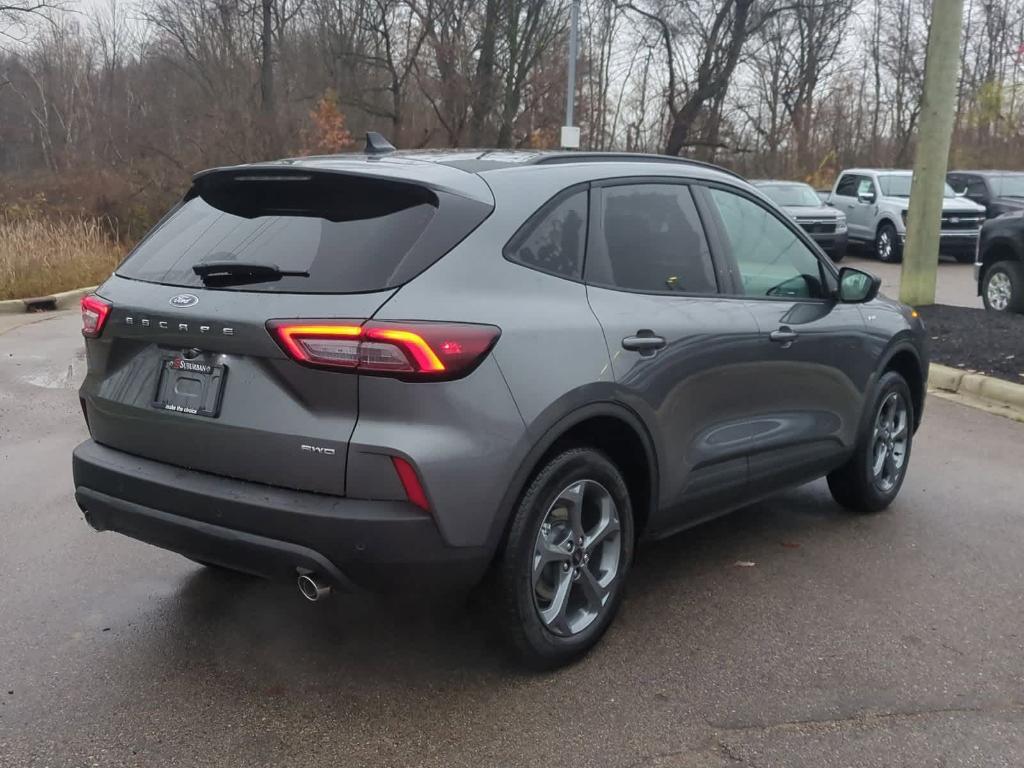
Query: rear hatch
x: 184, y: 369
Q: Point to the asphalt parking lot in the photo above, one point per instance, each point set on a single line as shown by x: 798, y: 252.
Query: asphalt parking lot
x: 892, y: 640
x: 954, y: 285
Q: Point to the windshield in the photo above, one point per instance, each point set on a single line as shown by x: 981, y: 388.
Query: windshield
x: 795, y: 195
x: 1008, y: 185
x: 898, y: 185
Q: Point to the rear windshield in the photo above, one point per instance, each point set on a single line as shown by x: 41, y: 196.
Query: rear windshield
x: 349, y: 234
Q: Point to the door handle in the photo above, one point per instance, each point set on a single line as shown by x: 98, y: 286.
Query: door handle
x: 784, y: 336
x: 645, y: 342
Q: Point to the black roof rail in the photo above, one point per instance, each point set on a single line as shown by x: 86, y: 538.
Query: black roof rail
x: 560, y: 158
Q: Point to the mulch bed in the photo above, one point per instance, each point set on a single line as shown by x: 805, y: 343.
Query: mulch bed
x: 976, y: 340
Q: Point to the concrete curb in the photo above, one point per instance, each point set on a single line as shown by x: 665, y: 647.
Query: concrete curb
x: 977, y: 389
x: 62, y: 300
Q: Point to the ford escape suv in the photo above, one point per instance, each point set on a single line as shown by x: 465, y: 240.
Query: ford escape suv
x: 399, y: 370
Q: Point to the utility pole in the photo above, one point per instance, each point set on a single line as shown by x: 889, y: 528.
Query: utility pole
x: 924, y: 218
x: 570, y: 133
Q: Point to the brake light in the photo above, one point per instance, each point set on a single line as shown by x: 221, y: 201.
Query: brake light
x: 94, y: 315
x: 414, y: 350
x: 411, y: 483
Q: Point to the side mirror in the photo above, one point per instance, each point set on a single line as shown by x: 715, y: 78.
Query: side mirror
x: 866, y: 197
x: 857, y: 287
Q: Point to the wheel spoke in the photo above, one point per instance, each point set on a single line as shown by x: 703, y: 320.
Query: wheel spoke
x: 554, y: 615
x: 608, y: 526
x: 878, y: 463
x: 592, y: 590
x: 891, y: 470
x: 544, y: 554
x: 573, y: 497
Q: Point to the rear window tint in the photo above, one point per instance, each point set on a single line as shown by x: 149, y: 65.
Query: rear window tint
x: 350, y: 234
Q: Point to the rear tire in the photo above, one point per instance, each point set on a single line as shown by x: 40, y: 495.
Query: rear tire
x: 887, y: 245
x: 556, y: 598
x: 872, y: 478
x: 1002, y: 287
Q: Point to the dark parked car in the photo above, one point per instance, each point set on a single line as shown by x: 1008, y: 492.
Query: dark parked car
x: 999, y: 191
x: 402, y: 370
x: 825, y: 225
x: 999, y: 268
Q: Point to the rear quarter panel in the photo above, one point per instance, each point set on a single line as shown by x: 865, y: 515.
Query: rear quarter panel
x: 551, y: 359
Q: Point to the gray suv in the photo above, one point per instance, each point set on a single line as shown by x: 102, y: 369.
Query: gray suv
x: 408, y: 371
x: 876, y: 203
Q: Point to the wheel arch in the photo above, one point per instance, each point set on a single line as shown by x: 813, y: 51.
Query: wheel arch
x: 904, y: 359
x: 608, y: 426
x: 999, y: 249
x: 884, y: 219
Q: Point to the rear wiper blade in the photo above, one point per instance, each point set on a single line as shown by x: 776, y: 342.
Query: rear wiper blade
x: 236, y: 272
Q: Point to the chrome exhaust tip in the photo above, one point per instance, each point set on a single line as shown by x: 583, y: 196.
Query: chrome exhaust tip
x: 312, y: 588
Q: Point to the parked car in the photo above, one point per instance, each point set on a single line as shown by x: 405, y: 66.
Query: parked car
x: 395, y: 370
x: 999, y: 268
x: 876, y: 202
x: 998, y: 192
x: 825, y: 224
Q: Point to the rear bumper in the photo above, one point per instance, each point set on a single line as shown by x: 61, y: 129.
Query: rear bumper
x: 267, y: 531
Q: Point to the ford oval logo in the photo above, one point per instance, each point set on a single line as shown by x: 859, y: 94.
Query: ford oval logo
x: 184, y: 300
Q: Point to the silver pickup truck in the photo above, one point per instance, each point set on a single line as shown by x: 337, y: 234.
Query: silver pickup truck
x: 875, y: 202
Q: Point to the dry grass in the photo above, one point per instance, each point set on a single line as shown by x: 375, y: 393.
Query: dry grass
x: 39, y: 257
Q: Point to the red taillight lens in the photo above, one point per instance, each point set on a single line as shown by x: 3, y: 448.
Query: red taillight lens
x: 94, y: 315
x: 411, y: 483
x: 414, y: 350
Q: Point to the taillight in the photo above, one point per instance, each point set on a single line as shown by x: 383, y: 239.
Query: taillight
x: 94, y: 315
x: 414, y: 350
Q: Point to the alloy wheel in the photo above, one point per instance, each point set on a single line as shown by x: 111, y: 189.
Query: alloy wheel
x: 998, y: 291
x: 889, y: 442
x: 885, y: 245
x: 576, y: 558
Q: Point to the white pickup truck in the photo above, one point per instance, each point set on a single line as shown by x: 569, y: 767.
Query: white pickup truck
x: 875, y: 202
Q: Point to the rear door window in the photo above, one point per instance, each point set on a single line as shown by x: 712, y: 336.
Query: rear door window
x: 650, y: 238
x: 350, y: 234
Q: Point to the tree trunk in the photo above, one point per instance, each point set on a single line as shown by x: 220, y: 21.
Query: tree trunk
x: 483, y: 101
x: 938, y: 105
x: 713, y: 77
x: 268, y: 107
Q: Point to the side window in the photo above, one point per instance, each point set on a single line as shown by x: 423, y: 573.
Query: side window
x: 864, y: 186
x: 650, y: 238
x: 772, y: 260
x: 975, y: 187
x: 553, y: 239
x: 847, y: 186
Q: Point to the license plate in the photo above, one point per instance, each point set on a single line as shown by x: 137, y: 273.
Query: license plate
x: 190, y: 386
